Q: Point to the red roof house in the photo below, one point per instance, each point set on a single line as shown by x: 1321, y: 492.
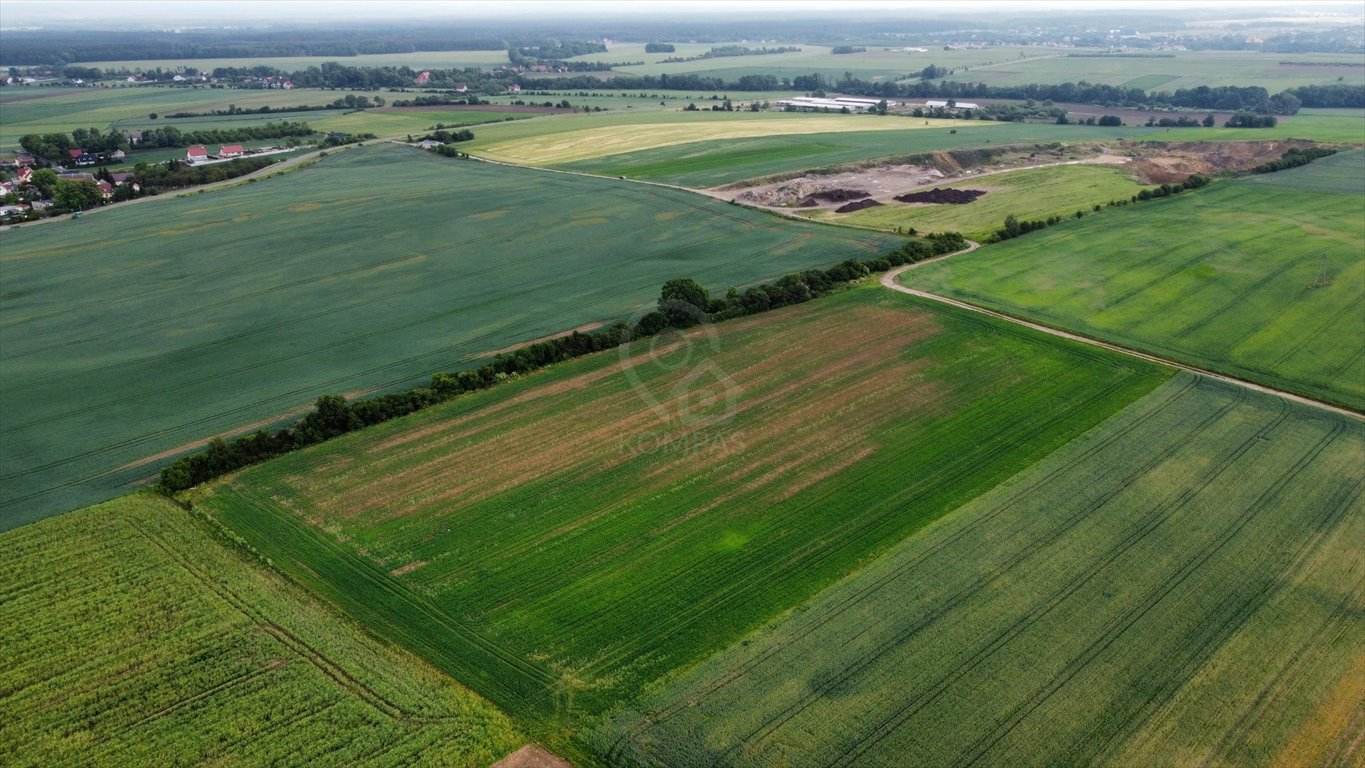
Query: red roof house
x: 74, y: 152
x: 196, y: 154
x: 231, y: 150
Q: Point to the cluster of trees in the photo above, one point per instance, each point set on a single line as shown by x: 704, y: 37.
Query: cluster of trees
x: 1248, y: 120
x: 449, y: 137
x: 53, y: 146
x: 1181, y: 122
x: 433, y: 99
x: 842, y: 49
x: 682, y: 303
x: 660, y: 48
x: 722, y: 51
x: 1328, y: 96
x: 1294, y: 157
x: 176, y: 174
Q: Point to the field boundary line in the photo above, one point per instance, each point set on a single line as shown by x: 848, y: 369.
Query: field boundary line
x: 888, y: 280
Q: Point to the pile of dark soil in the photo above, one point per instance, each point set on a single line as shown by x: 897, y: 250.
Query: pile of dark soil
x: 857, y: 206
x: 945, y: 195
x: 840, y: 195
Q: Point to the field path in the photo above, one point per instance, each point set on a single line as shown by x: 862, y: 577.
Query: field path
x: 889, y: 280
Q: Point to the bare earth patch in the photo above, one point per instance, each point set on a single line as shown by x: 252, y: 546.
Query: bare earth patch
x: 532, y: 756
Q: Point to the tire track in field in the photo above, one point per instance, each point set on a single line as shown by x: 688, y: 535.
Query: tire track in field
x: 965, y: 532
x: 736, y: 582
x: 303, y: 650
x: 1268, y: 589
x: 985, y: 580
x: 1120, y: 624
x: 1154, y: 519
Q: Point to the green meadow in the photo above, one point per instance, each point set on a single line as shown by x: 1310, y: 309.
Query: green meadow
x: 1261, y: 278
x: 166, y: 322
x: 1026, y: 194
x: 136, y: 634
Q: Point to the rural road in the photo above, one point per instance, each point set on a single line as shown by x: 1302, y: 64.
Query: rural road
x: 889, y: 280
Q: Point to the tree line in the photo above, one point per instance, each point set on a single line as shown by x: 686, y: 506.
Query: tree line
x: 1014, y: 227
x: 53, y: 146
x: 682, y: 303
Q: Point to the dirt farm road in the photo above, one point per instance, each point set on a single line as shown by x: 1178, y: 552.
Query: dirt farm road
x: 888, y: 280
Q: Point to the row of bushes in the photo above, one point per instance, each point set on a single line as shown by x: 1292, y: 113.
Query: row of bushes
x: 1293, y: 158
x: 682, y: 303
x: 1013, y: 227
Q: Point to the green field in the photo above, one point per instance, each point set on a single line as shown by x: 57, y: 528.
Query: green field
x: 562, y: 147
x: 167, y: 322
x: 1334, y: 126
x: 648, y: 507
x: 1027, y: 194
x: 1223, y: 278
x: 134, y: 636
x: 714, y: 163
x: 1173, y: 71
x: 877, y: 63
x: 62, y: 110
x: 1181, y: 586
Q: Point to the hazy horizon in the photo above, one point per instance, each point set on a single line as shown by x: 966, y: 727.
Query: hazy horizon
x: 165, y: 14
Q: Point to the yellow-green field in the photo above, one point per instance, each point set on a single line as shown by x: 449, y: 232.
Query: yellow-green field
x: 1035, y: 193
x: 133, y: 634
x: 588, y: 143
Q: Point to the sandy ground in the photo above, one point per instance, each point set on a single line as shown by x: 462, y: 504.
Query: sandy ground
x: 532, y: 756
x: 1148, y: 162
x: 883, y: 182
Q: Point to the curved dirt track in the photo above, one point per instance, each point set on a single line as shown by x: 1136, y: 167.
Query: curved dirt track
x: 889, y: 280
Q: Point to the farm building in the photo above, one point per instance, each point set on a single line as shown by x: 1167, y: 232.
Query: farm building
x: 837, y: 104
x: 134, y: 137
x: 231, y: 150
x: 429, y: 144
x: 196, y: 154
x: 941, y: 104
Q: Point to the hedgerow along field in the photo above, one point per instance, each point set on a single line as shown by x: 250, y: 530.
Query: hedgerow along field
x: 1261, y: 278
x: 135, y: 634
x: 1026, y: 194
x: 168, y: 322
x: 646, y: 508
x: 1180, y: 586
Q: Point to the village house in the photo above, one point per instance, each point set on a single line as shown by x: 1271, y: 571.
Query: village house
x: 123, y: 177
x: 106, y: 189
x: 134, y: 137
x: 196, y: 154
x: 24, y: 175
x: 231, y: 150
x: 24, y: 160
x: 78, y: 156
x: 423, y: 78
x: 514, y: 88
x: 76, y: 176
x: 462, y: 88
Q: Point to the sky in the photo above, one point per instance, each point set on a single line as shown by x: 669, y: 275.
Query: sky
x: 15, y: 13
